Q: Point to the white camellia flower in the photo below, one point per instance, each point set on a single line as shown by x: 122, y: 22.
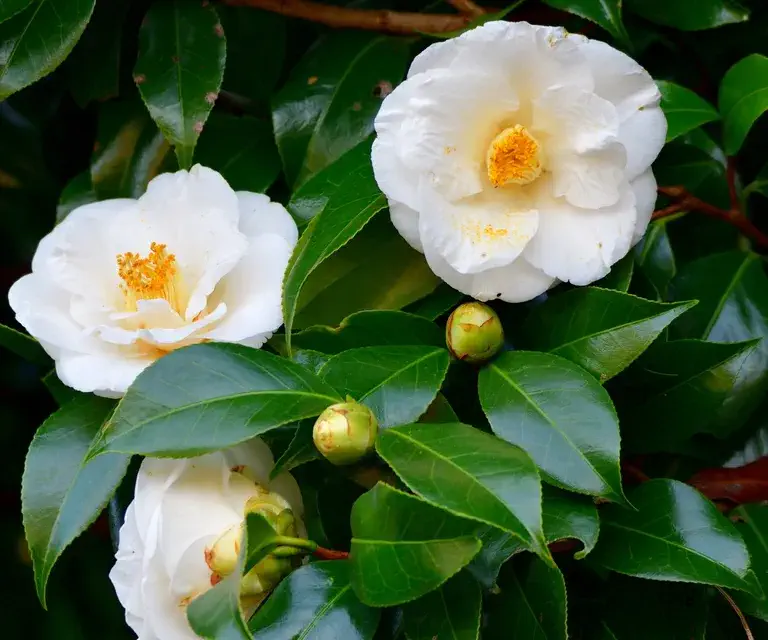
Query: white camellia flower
x: 180, y: 509
x: 515, y: 156
x: 122, y: 282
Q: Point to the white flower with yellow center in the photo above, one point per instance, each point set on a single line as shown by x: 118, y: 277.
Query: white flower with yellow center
x: 120, y: 283
x: 183, y: 511
x: 515, y: 156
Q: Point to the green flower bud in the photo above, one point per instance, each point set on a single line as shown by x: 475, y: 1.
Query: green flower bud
x: 474, y: 332
x: 221, y: 557
x: 345, y: 432
x: 265, y: 575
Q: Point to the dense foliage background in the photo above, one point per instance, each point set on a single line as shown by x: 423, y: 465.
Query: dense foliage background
x: 85, y: 116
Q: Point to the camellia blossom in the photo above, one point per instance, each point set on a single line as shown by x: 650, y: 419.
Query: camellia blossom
x: 122, y: 282
x: 180, y: 508
x: 515, y: 156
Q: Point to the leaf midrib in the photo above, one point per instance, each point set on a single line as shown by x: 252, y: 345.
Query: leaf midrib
x: 322, y: 611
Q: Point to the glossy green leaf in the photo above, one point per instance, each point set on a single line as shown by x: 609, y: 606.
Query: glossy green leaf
x: 673, y: 534
x: 328, y: 104
x: 179, y: 70
x: 437, y: 303
x: 312, y: 360
x: 689, y: 15
x: 532, y: 603
x: 752, y: 524
x: 599, y: 329
x: 24, y: 346
x: 377, y: 269
x: 348, y: 210
x: 10, y: 8
x: 315, y: 602
x: 439, y: 412
x: 689, y: 387
x: 371, y: 328
x: 129, y: 151
x: 403, y: 547
x: 604, y: 13
x: 655, y: 258
x: 36, y: 40
x: 396, y: 383
x: 758, y: 185
x: 565, y: 516
x: 560, y: 415
x: 471, y: 474
x: 451, y: 612
x: 242, y: 150
x: 743, y: 99
x: 684, y: 109
x: 61, y: 492
x: 620, y: 275
x: 300, y: 450
x: 210, y: 396
x: 77, y: 192
x: 217, y: 613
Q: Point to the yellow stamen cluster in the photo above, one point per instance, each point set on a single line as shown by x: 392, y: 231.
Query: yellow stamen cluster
x: 148, y: 278
x: 513, y: 157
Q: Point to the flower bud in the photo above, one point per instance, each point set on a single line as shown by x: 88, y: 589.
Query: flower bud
x: 474, y: 332
x: 345, y: 432
x: 221, y: 557
x: 265, y: 575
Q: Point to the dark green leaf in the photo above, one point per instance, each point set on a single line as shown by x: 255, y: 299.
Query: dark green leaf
x: 566, y: 517
x: 437, y: 303
x: 217, y: 613
x: 689, y: 387
x: 211, y: 396
x: 471, y: 474
x: 36, y: 40
x: 601, y: 330
x: 61, y: 493
x: 23, y: 346
x: 179, y: 70
x: 129, y: 151
x: 758, y: 185
x: 684, y: 109
x: 300, y: 451
x: 673, y: 534
x: 620, y: 275
x: 77, y: 192
x: 328, y: 104
x: 743, y: 99
x: 403, y: 548
x: 451, y: 612
x: 240, y: 149
x: 605, y: 13
x: 61, y: 393
x: 349, y: 209
x: 439, y: 412
x: 377, y: 269
x: 532, y: 603
x: 689, y: 15
x: 315, y: 602
x: 10, y: 8
x: 312, y: 360
x: 396, y: 383
x: 752, y: 523
x: 655, y: 258
x: 371, y: 329
x: 560, y: 415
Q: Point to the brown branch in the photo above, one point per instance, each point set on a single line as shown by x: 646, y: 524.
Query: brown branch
x: 735, y: 607
x: 685, y: 201
x: 329, y: 554
x: 369, y: 19
x: 467, y: 7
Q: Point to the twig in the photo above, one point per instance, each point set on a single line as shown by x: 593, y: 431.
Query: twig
x: 735, y: 607
x: 329, y: 554
x: 468, y: 7
x: 685, y: 201
x: 369, y: 19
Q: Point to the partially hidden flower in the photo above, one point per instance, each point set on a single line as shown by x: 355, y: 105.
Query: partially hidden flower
x: 515, y: 156
x: 181, y: 533
x: 120, y: 283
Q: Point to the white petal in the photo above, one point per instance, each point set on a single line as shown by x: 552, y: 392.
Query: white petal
x: 644, y: 187
x: 127, y: 571
x: 642, y: 135
x: 589, y: 180
x: 475, y: 234
x: 406, y: 221
x: 516, y: 282
x: 107, y: 375
x: 286, y: 486
x: 252, y: 291
x: 155, y: 476
x: 166, y: 614
x: 255, y: 455
x: 260, y: 216
x: 438, y: 125
x: 580, y: 245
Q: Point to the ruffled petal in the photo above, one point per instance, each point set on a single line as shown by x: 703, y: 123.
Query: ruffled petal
x: 643, y: 135
x: 127, y: 571
x: 256, y: 458
x: 406, y: 221
x: 260, y: 216
x: 644, y: 187
x: 580, y: 245
x: 107, y: 375
x: 589, y: 180
x: 516, y: 282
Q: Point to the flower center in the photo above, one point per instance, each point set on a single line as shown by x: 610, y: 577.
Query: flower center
x: 150, y: 278
x: 513, y: 157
